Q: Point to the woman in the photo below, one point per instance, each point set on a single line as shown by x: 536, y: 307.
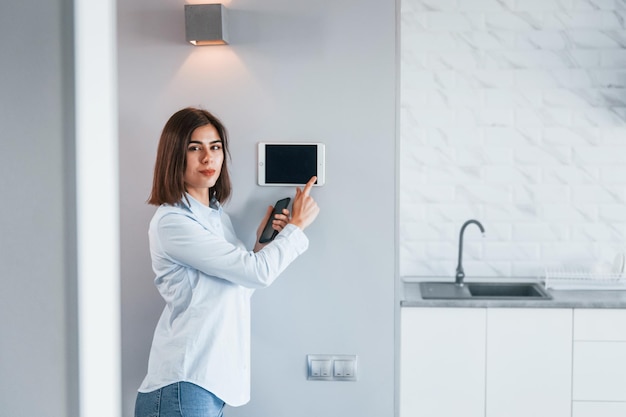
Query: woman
x: 200, y: 354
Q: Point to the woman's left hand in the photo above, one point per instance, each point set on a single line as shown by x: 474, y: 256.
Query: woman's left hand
x: 278, y: 224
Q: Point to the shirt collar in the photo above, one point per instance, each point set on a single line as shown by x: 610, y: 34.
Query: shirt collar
x: 197, y: 207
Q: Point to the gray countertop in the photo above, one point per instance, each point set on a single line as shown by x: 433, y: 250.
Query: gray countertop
x: 412, y: 297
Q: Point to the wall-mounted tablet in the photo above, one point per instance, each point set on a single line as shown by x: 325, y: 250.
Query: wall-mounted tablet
x: 290, y: 163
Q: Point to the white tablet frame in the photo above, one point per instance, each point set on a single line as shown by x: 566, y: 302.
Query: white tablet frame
x: 321, y: 163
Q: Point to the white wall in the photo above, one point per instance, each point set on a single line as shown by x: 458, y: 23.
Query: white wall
x: 97, y: 208
x: 514, y: 113
x: 295, y: 70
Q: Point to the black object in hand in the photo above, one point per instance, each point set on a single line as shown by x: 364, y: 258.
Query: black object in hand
x: 269, y: 233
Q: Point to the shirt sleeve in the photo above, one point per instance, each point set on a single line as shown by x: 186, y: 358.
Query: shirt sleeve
x: 187, y: 242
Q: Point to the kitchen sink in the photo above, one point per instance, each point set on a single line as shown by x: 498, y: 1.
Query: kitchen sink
x: 525, y: 290
x: 483, y: 291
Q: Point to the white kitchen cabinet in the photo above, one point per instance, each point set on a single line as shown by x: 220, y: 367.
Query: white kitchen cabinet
x: 602, y: 325
x: 598, y: 409
x: 442, y: 369
x: 599, y: 371
x: 599, y: 365
x: 529, y: 359
x: 493, y: 362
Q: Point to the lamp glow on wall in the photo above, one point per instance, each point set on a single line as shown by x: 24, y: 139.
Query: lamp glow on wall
x: 205, y: 24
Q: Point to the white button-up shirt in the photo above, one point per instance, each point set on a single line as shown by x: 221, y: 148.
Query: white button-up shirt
x: 206, y: 277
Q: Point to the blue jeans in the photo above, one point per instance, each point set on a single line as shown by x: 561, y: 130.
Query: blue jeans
x: 181, y: 399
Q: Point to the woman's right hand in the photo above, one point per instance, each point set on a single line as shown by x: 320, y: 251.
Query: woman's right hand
x: 304, y: 209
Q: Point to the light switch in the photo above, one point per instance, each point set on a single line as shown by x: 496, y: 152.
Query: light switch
x: 345, y: 369
x: 325, y: 368
x: 316, y: 367
x: 331, y: 367
x: 339, y: 367
x: 320, y: 367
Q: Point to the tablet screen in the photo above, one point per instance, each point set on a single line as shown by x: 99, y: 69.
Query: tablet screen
x: 290, y: 164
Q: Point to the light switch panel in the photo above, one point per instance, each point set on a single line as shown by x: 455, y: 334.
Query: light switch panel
x: 332, y: 367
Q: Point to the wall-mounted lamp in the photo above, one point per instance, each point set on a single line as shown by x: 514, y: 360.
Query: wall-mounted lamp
x: 205, y: 24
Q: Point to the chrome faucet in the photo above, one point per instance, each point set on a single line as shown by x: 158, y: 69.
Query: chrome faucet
x: 460, y: 274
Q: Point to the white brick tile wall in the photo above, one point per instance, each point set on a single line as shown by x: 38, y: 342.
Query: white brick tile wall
x: 427, y: 193
x: 513, y: 98
x: 453, y: 214
x: 512, y: 251
x: 540, y: 78
x: 428, y: 5
x: 597, y: 4
x: 585, y: 58
x: 542, y: 117
x: 542, y: 5
x: 599, y: 155
x: 513, y: 112
x: 540, y: 193
x: 515, y: 137
x: 571, y: 252
x: 568, y: 136
x: 515, y: 21
x: 453, y: 135
x: 613, y: 175
x: 484, y: 194
x: 613, y: 213
x: 515, y: 174
x: 597, y: 194
x: 598, y: 117
x: 482, y: 6
x: 541, y: 232
x: 592, y: 232
x: 543, y: 155
x: 615, y: 58
x: 481, y: 155
x: 445, y: 21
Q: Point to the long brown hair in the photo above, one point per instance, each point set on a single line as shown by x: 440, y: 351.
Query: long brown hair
x: 168, y: 185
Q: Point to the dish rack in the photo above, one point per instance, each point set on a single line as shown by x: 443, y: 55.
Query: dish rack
x: 584, y: 280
